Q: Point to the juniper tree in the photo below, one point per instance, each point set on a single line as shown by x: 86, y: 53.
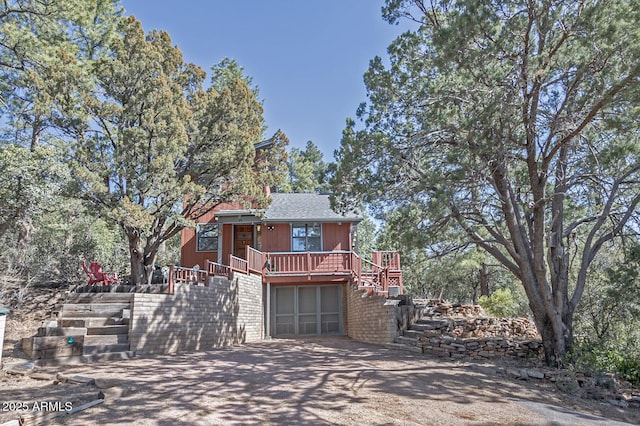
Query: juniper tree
x: 514, y: 123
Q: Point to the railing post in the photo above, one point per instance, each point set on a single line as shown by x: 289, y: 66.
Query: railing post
x: 308, y: 257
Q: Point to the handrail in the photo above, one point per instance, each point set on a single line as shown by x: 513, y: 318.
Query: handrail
x: 238, y: 264
x: 376, y: 277
x: 255, y: 260
x: 217, y: 269
x: 179, y: 274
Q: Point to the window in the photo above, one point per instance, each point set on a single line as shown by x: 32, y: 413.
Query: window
x: 207, y: 237
x: 306, y: 237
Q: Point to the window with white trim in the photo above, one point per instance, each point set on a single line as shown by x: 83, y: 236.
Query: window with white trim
x: 305, y: 237
x: 207, y: 237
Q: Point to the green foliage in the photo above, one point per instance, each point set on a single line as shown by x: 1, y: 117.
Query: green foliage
x: 593, y: 357
x: 495, y: 125
x: 307, y: 170
x: 608, y: 319
x: 501, y: 303
x: 29, y: 181
x: 86, y: 92
x: 157, y: 151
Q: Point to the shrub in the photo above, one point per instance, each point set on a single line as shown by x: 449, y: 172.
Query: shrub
x: 502, y: 303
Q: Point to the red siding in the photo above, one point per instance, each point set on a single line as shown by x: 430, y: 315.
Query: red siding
x: 276, y: 239
x: 335, y: 236
x: 189, y: 257
x: 227, y: 242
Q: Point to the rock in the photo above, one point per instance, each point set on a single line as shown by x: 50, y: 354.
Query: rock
x: 512, y: 372
x: 42, y: 376
x: 619, y: 403
x: 536, y: 374
x: 567, y: 384
x: 20, y: 368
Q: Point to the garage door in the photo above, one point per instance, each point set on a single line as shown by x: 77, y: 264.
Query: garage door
x: 306, y: 311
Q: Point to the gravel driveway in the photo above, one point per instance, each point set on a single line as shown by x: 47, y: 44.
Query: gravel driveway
x: 324, y: 381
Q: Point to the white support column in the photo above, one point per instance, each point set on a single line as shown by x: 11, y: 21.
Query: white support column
x: 268, y: 319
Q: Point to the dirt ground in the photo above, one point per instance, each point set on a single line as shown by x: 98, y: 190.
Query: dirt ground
x: 305, y: 381
x: 311, y: 381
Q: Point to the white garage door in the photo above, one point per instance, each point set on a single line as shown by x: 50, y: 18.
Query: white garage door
x: 306, y: 311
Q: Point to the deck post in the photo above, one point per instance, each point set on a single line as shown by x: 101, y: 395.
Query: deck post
x: 268, y: 319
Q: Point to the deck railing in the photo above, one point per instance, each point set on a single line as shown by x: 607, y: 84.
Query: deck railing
x: 308, y: 263
x: 377, y: 275
x: 218, y: 270
x: 255, y: 260
x: 238, y: 264
x: 178, y: 274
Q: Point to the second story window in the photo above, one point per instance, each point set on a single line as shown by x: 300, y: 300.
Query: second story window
x: 207, y: 237
x: 305, y: 237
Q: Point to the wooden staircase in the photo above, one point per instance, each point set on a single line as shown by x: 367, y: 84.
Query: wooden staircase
x: 88, y: 327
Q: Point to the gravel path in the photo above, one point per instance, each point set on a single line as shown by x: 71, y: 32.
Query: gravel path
x: 321, y: 381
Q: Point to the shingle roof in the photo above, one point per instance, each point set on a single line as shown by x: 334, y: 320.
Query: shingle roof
x: 308, y: 207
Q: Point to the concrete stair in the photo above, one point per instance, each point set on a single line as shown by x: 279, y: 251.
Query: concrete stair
x: 88, y: 327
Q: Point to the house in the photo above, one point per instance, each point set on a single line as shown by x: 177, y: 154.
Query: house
x: 305, y: 253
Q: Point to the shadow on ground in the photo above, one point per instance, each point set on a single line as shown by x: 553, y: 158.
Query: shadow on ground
x: 312, y: 381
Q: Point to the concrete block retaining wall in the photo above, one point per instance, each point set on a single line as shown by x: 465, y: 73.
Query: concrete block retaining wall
x: 374, y: 319
x: 197, y: 317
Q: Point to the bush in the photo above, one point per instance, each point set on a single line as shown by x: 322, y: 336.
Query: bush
x: 593, y: 358
x: 502, y: 303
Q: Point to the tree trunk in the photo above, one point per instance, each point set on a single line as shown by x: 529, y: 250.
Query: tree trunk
x: 484, y: 280
x: 142, y: 258
x: 25, y: 227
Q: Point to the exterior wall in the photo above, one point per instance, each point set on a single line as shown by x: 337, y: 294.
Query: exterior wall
x: 369, y: 319
x: 276, y: 239
x: 198, y: 318
x: 226, y: 233
x: 188, y: 254
x: 336, y: 237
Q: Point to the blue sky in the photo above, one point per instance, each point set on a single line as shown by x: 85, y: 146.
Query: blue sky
x: 307, y: 57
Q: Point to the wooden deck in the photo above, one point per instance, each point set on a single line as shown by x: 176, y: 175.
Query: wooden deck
x: 300, y: 267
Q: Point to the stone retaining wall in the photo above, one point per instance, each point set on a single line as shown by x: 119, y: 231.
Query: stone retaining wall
x: 198, y: 317
x: 488, y: 347
x: 519, y: 328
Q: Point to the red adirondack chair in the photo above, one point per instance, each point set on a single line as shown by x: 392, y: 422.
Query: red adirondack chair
x: 97, y: 275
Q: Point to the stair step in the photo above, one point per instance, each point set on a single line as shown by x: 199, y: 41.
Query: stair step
x: 401, y: 347
x: 105, y: 310
x: 99, y: 298
x: 106, y: 339
x: 101, y: 349
x: 92, y: 322
x: 427, y: 326
x: 435, y: 323
x: 413, y: 333
x: 44, y: 347
x: 407, y: 340
x: 108, y: 329
x: 80, y: 359
x: 61, y: 331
